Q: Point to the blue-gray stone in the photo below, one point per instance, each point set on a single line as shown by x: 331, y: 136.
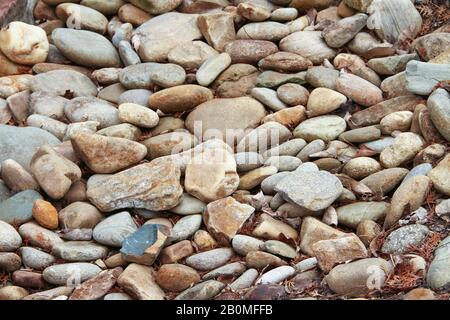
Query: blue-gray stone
x: 5, y: 193
x: 136, y: 243
x: 20, y: 144
x: 18, y: 208
x: 420, y: 170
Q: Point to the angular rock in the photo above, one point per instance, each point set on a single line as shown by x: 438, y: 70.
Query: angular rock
x: 153, y: 186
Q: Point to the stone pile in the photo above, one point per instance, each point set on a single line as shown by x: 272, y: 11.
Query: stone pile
x: 219, y: 149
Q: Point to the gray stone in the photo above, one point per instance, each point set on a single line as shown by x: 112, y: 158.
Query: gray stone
x: 209, y: 259
x: 92, y: 109
x: 438, y: 275
x: 351, y: 215
x: 245, y: 281
x: 439, y: 108
x: 243, y: 244
x: 79, y: 251
x: 137, y: 96
x: 62, y: 82
x: 422, y: 77
x: 29, y: 140
x: 142, y: 76
x: 400, y: 241
x: 202, y: 291
x: 185, y: 227
x: 342, y: 31
x: 70, y: 274
x: 114, y: 229
x: 86, y: 48
x: 35, y: 259
x: 233, y: 269
x: 420, y: 170
x: 17, y: 209
x: 310, y: 190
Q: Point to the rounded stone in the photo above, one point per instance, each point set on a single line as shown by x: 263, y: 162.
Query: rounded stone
x: 326, y: 128
x: 10, y: 239
x: 138, y: 115
x: 293, y: 94
x: 45, y: 214
x: 361, y: 167
x: 86, y: 48
x: 323, y: 100
x: 180, y: 98
x: 69, y: 273
x: 176, y: 277
x: 24, y: 43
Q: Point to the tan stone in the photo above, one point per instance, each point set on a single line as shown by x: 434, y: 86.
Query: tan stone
x: 24, y: 43
x: 272, y: 229
x: 107, y: 154
x: 225, y: 217
x: 211, y: 175
x: 334, y: 251
x: 218, y: 29
x: 45, y: 214
x: 139, y: 281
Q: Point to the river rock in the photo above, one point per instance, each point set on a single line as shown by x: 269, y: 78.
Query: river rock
x: 144, y: 75
x: 9, y: 262
x: 54, y: 173
x: 352, y: 215
x: 145, y: 244
x: 438, y: 276
x: 153, y: 186
x: 203, y: 291
x: 359, y: 277
x: 176, y: 277
x: 186, y: 227
x: 271, y: 229
x: 394, y: 22
x: 217, y: 28
x: 107, y: 154
x: 139, y: 281
x: 18, y: 208
x: 86, y: 48
x: 410, y: 195
x: 114, y: 229
x: 330, y: 252
x: 159, y: 35
x: 353, y: 87
x: 11, y: 239
x: 79, y: 251
x: 326, y: 128
x: 322, y: 101
x: 439, y: 111
x: 440, y: 174
x: 96, y: 287
x: 191, y: 55
x: 179, y: 98
x: 269, y: 30
x: 340, y: 32
x: 308, y: 44
x: 211, y: 175
x: 243, y: 244
x: 285, y: 62
x: 404, y: 149
x: 39, y: 236
x: 250, y: 51
x: 35, y: 259
x: 209, y: 260
x: 401, y: 240
x: 81, y: 17
x: 225, y: 217
x: 24, y: 43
